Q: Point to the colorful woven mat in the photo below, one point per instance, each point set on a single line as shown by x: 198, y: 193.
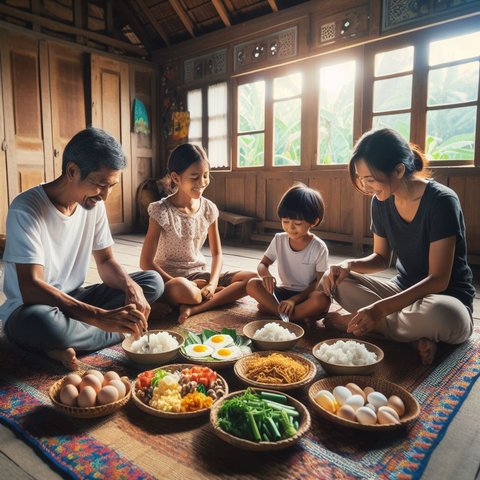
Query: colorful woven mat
x: 131, y: 444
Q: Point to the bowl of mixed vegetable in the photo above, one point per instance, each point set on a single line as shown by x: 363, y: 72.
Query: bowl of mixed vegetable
x: 178, y: 390
x: 259, y: 420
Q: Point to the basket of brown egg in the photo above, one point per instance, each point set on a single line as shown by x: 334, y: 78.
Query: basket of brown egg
x: 90, y: 394
x: 364, y: 403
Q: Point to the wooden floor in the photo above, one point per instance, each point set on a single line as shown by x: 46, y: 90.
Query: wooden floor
x: 457, y: 456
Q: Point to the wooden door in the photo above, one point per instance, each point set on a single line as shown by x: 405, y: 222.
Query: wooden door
x: 67, y: 87
x: 26, y: 100
x: 111, y: 111
x: 3, y: 166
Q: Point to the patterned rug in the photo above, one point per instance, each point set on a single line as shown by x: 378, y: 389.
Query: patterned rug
x: 132, y: 445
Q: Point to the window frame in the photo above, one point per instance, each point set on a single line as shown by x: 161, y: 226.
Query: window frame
x: 205, y: 119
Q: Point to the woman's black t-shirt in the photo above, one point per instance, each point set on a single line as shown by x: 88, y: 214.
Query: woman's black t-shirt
x: 439, y: 215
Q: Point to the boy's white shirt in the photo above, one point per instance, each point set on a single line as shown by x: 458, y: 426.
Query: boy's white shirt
x: 297, y: 270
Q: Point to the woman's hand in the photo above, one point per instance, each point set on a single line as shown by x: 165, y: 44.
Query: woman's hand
x: 207, y: 291
x: 365, y: 321
x: 333, y: 277
x: 286, y: 307
x: 269, y: 283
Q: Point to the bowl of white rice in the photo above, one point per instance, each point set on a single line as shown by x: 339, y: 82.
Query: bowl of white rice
x: 163, y: 346
x: 346, y: 356
x: 273, y: 334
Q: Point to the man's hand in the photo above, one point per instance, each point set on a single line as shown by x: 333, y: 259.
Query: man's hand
x: 134, y: 295
x: 127, y: 319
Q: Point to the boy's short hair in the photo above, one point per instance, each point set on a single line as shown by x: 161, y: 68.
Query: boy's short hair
x: 302, y: 203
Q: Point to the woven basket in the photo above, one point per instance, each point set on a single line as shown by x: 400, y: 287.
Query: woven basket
x: 85, y: 412
x: 304, y: 426
x: 240, y: 369
x: 412, y: 408
x: 158, y: 413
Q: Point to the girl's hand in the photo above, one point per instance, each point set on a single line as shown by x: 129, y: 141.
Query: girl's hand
x: 333, y: 277
x: 366, y: 320
x: 287, y: 307
x: 269, y: 283
x: 207, y: 291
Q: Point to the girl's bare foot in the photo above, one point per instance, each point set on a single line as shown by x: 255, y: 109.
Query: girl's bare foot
x: 427, y: 350
x: 338, y: 321
x: 185, y: 312
x: 67, y: 357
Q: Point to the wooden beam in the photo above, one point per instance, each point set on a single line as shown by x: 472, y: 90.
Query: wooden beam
x: 129, y: 16
x: 61, y: 27
x: 221, y: 10
x: 184, y: 18
x: 146, y: 11
x: 273, y: 5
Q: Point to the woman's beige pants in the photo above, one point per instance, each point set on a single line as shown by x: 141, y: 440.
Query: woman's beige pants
x: 440, y: 318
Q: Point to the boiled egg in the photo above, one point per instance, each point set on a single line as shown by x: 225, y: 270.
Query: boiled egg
x: 219, y: 341
x: 226, y: 353
x: 87, y: 397
x: 198, y: 350
x: 69, y: 394
x: 107, y: 394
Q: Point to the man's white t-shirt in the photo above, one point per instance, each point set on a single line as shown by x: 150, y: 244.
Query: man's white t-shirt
x: 37, y: 233
x: 297, y: 270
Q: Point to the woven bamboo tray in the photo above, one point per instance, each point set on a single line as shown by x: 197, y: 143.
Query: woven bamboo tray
x: 178, y: 415
x: 86, y: 412
x: 304, y: 426
x: 412, y: 408
x: 240, y: 370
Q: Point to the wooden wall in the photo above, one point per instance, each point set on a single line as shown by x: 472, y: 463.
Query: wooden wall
x: 49, y: 90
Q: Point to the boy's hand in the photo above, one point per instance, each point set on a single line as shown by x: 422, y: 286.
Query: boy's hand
x: 269, y: 284
x: 287, y: 307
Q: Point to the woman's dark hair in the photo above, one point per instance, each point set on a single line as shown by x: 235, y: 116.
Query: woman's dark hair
x: 302, y: 203
x: 91, y: 149
x: 382, y: 150
x: 181, y: 158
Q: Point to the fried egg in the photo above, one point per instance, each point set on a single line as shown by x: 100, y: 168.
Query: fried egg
x: 226, y: 353
x: 219, y: 341
x: 198, y: 350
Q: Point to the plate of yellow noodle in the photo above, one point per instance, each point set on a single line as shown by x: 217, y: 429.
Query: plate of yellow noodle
x: 277, y: 370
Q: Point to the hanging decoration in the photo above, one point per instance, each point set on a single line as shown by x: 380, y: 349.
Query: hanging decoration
x: 141, y: 124
x: 181, y: 122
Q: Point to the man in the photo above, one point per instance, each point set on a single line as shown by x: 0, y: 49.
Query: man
x: 51, y: 231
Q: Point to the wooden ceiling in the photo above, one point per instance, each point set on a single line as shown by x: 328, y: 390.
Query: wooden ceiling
x: 160, y: 23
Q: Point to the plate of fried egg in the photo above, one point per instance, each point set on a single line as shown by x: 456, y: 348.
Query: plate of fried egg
x: 219, y: 349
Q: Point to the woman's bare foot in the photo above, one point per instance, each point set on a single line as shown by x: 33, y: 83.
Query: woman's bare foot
x: 427, y: 350
x: 67, y: 357
x: 185, y: 312
x: 338, y: 321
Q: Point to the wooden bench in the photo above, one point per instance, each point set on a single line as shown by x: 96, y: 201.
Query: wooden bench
x: 236, y: 219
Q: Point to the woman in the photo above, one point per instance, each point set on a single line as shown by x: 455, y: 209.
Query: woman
x: 430, y: 299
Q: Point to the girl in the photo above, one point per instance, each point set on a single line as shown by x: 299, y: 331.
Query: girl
x: 302, y: 259
x: 430, y: 299
x: 177, y: 229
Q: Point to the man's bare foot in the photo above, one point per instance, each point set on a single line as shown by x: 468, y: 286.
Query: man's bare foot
x: 67, y: 357
x: 338, y: 321
x: 185, y: 312
x: 427, y: 350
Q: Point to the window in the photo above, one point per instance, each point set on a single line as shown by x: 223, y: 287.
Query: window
x: 452, y: 97
x: 335, y: 113
x: 209, y: 122
x: 287, y: 115
x: 392, y: 90
x: 251, y: 124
